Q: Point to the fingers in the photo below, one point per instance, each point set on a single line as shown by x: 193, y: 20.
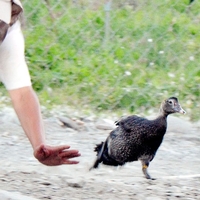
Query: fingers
x: 69, y: 154
x: 70, y: 162
x: 66, y: 155
x: 61, y: 147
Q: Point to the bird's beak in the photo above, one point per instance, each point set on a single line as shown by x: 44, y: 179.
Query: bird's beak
x: 182, y: 111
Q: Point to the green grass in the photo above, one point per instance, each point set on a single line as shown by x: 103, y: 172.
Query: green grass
x: 68, y: 52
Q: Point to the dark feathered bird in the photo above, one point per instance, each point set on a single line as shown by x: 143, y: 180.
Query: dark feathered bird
x: 136, y: 138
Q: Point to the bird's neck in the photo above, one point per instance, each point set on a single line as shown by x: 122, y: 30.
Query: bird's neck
x: 163, y: 114
x: 161, y: 122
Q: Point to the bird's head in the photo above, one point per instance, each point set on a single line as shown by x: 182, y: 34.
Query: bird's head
x: 171, y: 105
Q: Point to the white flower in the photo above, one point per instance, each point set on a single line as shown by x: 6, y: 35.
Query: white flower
x: 182, y: 78
x: 116, y: 61
x: 127, y: 89
x: 189, y: 102
x: 161, y: 52
x: 150, y: 40
x: 191, y: 58
x: 171, y: 75
x: 151, y: 63
x: 127, y: 73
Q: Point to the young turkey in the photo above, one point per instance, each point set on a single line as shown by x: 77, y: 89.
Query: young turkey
x: 136, y: 138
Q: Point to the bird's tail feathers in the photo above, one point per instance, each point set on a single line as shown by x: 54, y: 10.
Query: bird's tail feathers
x: 99, y: 149
x: 103, y: 156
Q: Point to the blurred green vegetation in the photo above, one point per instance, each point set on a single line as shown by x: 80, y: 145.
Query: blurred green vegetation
x: 151, y: 53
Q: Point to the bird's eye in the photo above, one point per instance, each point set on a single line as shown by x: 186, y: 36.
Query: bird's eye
x: 170, y: 102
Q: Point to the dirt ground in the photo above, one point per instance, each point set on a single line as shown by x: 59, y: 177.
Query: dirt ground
x: 175, y: 167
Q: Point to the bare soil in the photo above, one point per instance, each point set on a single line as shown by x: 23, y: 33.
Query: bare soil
x: 175, y: 167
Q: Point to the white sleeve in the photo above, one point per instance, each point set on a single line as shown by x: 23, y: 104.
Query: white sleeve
x: 5, y: 11
x: 18, y: 2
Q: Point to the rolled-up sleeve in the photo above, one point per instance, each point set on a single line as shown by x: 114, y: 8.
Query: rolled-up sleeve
x: 17, y: 2
x: 5, y: 10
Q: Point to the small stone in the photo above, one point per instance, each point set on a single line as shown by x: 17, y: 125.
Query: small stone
x: 45, y: 183
x: 76, y: 183
x: 65, y: 121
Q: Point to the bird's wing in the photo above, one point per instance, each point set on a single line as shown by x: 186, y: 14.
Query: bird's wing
x: 127, y: 120
x: 114, y: 133
x: 132, y: 123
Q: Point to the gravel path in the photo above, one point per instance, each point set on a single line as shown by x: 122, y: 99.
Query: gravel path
x: 175, y: 167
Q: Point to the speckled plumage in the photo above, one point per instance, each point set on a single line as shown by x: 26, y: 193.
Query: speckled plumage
x: 136, y: 138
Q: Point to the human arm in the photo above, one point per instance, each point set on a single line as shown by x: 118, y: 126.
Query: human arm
x: 27, y: 107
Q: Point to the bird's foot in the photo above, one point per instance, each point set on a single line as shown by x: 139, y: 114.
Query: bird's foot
x: 149, y: 177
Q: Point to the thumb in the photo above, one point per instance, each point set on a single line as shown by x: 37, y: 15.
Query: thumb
x: 41, y: 152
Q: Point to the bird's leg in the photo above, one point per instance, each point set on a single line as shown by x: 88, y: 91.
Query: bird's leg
x: 145, y: 165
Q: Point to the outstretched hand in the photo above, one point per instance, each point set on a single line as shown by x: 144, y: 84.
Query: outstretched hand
x: 58, y: 155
